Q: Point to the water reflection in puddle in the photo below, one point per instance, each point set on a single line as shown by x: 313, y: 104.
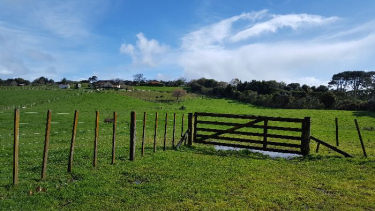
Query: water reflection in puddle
x: 271, y: 154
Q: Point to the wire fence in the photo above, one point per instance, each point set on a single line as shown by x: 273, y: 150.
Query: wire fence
x: 32, y: 135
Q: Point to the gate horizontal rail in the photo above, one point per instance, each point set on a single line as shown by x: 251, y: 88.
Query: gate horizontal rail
x: 252, y: 134
x: 254, y: 126
x: 253, y: 141
x: 242, y: 116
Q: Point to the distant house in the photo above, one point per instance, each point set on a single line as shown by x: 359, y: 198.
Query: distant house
x: 155, y: 82
x: 108, y: 84
x: 64, y: 86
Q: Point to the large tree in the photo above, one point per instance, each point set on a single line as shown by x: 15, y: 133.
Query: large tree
x: 40, y: 81
x: 138, y: 78
x: 64, y: 81
x: 354, y: 80
x: 338, y: 80
x: 93, y: 79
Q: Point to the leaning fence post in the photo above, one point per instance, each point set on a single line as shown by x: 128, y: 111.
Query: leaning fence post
x: 74, y: 132
x: 46, y: 144
x: 16, y: 144
x: 165, y: 131
x: 190, y: 128
x: 305, y: 142
x: 360, y: 138
x: 95, y: 161
x: 114, y: 137
x: 132, y: 135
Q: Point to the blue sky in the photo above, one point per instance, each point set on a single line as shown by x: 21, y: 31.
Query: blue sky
x: 285, y: 40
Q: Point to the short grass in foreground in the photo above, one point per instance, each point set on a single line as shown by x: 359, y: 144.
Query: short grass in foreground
x: 195, y: 177
x: 202, y: 178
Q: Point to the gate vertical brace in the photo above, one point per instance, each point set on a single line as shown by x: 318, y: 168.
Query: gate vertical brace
x: 265, y: 134
x: 195, y: 127
x: 305, y: 141
x: 190, y: 128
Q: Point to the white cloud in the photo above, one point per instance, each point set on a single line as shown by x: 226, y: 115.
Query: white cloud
x: 215, y: 34
x: 214, y: 51
x: 65, y: 19
x: 5, y: 72
x: 270, y: 61
x: 36, y: 35
x: 310, y: 81
x: 293, y: 21
x: 145, y: 52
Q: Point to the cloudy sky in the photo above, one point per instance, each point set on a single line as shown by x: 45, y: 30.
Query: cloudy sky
x: 285, y: 40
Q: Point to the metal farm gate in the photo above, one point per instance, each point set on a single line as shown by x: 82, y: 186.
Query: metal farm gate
x: 287, y: 135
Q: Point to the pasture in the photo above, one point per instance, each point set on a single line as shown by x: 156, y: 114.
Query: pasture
x: 197, y: 177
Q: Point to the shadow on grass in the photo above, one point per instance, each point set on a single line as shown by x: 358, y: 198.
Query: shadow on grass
x: 364, y: 114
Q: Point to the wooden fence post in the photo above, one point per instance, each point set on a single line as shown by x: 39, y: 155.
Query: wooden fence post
x: 16, y: 145
x: 305, y: 142
x: 95, y: 161
x: 143, y: 133
x: 190, y: 128
x: 194, y: 128
x: 182, y: 128
x: 360, y: 138
x: 337, y: 131
x: 182, y: 125
x: 114, y: 137
x: 156, y: 130
x: 174, y: 129
x: 165, y: 131
x: 74, y: 132
x: 132, y: 135
x: 46, y: 144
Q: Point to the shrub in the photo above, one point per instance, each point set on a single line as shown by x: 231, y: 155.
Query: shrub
x: 178, y: 93
x: 328, y: 99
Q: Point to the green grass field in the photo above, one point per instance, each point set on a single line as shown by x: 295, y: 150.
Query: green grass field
x: 159, y: 89
x: 194, y: 178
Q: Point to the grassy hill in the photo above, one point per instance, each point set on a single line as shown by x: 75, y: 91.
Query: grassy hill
x: 197, y: 177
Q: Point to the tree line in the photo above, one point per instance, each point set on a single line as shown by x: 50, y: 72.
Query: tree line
x: 348, y: 90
